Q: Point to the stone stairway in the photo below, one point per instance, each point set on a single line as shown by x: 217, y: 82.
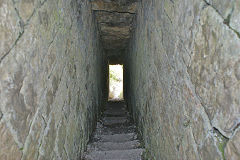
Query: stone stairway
x: 115, y: 137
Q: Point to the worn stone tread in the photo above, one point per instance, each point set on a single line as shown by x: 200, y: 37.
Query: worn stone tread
x: 114, y: 120
x: 132, y: 154
x: 119, y: 129
x: 117, y: 137
x: 107, y: 146
x: 115, y: 112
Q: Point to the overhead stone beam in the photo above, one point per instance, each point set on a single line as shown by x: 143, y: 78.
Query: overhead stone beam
x: 115, y: 20
x: 114, y: 6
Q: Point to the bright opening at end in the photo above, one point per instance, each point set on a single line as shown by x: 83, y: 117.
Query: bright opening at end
x: 115, y: 82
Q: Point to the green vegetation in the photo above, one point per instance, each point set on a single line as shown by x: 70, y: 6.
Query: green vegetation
x: 221, y: 145
x: 221, y: 142
x: 113, y: 76
x: 115, y: 82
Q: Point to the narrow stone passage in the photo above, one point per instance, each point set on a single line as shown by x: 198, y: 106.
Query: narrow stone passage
x: 115, y: 136
x: 181, y: 79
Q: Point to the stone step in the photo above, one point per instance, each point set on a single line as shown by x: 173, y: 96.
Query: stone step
x: 115, y: 112
x: 117, y: 137
x: 107, y: 121
x: 132, y: 154
x: 119, y: 129
x: 107, y: 146
x: 116, y: 104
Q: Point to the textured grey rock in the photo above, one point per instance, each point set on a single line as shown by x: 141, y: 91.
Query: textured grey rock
x: 234, y: 17
x: 182, y: 78
x: 216, y: 84
x: 233, y: 147
x: 224, y: 8
x: 11, y: 27
x: 50, y: 78
x: 9, y: 148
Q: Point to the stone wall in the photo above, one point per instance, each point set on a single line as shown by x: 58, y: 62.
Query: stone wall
x: 50, y: 79
x: 183, y: 78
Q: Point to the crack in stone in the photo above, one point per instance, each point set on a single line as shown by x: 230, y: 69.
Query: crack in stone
x: 30, y: 128
x: 237, y: 126
x: 234, y: 127
x: 44, y: 120
x: 34, y: 12
x: 221, y: 141
x: 49, y: 45
x: 226, y: 21
x: 200, y: 100
x: 14, y: 44
x: 18, y: 14
x: 208, y: 4
x: 168, y: 16
x: 235, y: 31
x: 64, y: 148
x: 202, y: 104
x: 204, y: 108
x: 215, y: 130
x: 42, y: 137
x: 39, y: 150
x: 22, y: 25
x: 1, y: 115
x: 198, y: 97
x: 221, y: 138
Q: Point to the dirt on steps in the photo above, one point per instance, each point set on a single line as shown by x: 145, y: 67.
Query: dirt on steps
x: 115, y: 137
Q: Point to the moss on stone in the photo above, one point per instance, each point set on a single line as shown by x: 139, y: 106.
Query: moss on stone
x: 221, y: 142
x: 147, y: 156
x: 221, y: 147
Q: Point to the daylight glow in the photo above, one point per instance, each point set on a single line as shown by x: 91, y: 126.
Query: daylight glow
x: 115, y: 82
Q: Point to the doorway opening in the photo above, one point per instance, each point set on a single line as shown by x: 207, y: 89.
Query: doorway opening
x: 115, y: 92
